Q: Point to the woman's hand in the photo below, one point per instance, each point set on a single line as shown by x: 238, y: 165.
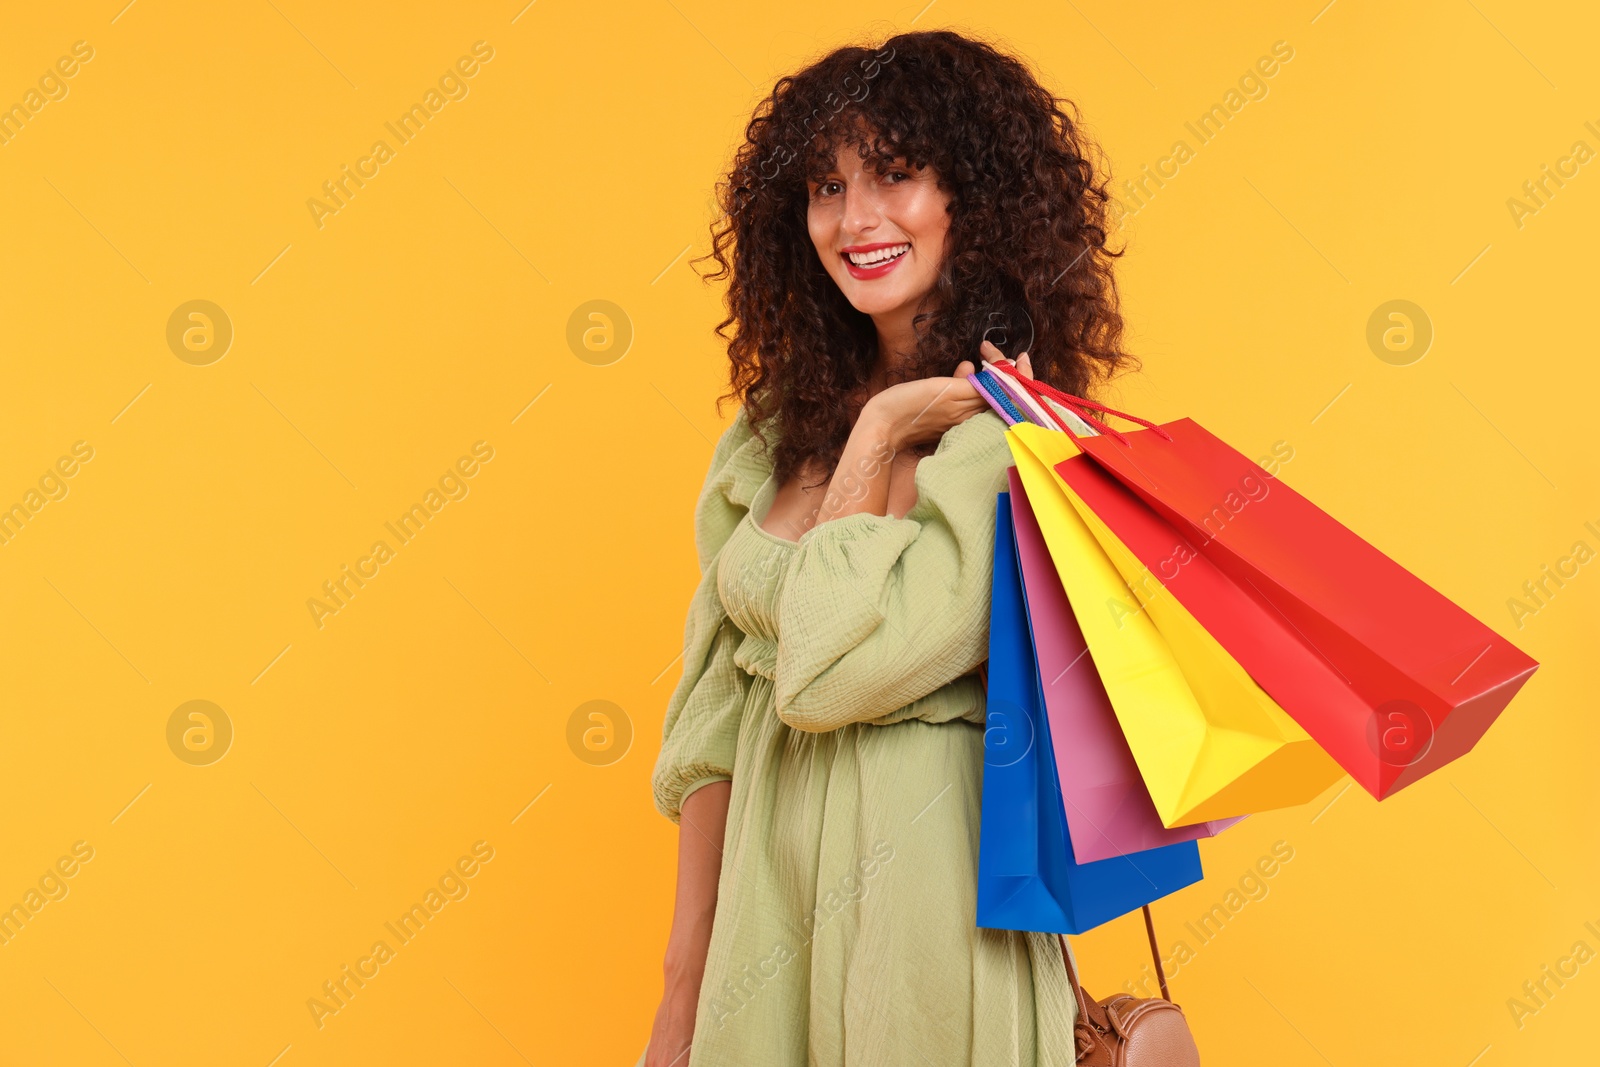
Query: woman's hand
x: 916, y: 412
x: 991, y: 353
x: 890, y: 423
x: 674, y: 1025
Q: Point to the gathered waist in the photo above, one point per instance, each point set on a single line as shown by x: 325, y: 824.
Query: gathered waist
x: 757, y: 656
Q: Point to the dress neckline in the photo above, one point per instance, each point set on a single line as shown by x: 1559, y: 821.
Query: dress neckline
x: 762, y: 502
x: 761, y: 499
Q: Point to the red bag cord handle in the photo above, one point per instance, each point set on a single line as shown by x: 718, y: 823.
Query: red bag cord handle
x: 1038, y: 388
x: 1023, y: 384
x: 1030, y: 386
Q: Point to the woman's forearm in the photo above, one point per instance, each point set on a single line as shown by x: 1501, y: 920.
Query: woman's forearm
x: 861, y: 480
x: 701, y: 825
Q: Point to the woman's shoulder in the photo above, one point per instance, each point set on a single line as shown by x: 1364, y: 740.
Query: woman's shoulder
x: 740, y: 445
x: 740, y: 462
x: 978, y: 443
x: 961, y: 478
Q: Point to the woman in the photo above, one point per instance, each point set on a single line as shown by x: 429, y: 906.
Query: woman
x: 892, y: 214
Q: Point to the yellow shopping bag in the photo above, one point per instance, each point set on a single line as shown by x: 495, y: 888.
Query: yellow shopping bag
x: 1209, y: 742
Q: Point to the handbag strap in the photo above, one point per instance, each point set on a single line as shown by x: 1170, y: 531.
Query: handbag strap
x: 1155, y: 955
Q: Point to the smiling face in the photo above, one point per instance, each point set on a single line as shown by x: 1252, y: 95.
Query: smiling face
x: 880, y: 236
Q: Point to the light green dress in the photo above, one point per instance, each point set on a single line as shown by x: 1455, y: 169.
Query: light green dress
x: 833, y: 680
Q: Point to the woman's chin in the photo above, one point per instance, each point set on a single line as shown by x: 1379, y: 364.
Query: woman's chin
x: 876, y: 302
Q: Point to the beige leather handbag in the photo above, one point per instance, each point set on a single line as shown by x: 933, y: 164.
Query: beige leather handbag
x: 1126, y: 1031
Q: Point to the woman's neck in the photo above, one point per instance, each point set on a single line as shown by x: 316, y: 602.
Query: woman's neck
x: 897, y: 344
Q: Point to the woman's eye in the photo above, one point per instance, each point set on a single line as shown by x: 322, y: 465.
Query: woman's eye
x: 896, y: 176
x: 829, y: 188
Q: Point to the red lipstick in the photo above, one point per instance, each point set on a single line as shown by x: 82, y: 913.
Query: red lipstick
x: 876, y: 270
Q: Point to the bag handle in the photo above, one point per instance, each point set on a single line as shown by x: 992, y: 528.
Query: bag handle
x: 1155, y: 956
x: 1031, y: 387
x: 1003, y: 405
x: 1080, y: 406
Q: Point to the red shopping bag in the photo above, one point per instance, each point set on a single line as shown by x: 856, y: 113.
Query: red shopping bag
x: 1389, y: 676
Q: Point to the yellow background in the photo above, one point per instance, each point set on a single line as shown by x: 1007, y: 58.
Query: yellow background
x: 431, y: 311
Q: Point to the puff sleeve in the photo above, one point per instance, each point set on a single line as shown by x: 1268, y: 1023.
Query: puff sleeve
x: 701, y: 727
x: 877, y: 612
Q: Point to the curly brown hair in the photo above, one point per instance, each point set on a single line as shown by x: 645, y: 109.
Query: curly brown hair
x: 1027, y: 264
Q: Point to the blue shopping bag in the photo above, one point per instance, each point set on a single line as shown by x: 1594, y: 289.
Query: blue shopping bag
x: 1027, y: 878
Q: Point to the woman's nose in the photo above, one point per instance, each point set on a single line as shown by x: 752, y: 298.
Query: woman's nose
x: 861, y: 212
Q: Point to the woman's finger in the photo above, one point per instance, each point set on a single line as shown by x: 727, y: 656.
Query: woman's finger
x: 989, y: 352
x: 1025, y: 365
x: 965, y: 368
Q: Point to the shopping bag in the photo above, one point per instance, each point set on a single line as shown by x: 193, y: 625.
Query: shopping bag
x: 1109, y: 810
x: 1028, y: 878
x: 1427, y: 678
x: 1209, y: 742
x: 1262, y: 639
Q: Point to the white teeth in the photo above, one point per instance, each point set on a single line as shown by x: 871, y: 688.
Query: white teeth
x: 882, y: 255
